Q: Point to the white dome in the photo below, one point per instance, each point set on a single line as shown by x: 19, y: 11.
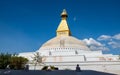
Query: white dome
x: 64, y: 42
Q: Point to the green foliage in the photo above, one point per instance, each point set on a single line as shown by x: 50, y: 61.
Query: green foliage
x: 18, y: 62
x: 13, y: 61
x: 45, y: 68
x: 4, y: 60
x: 51, y: 68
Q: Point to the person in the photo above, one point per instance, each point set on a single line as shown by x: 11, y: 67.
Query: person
x: 7, y: 71
x: 8, y: 66
x: 78, y: 68
x: 26, y: 67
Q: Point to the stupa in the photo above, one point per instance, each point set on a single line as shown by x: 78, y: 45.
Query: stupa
x: 63, y: 42
x: 65, y: 50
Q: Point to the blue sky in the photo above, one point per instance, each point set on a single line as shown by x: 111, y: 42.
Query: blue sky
x: 26, y: 24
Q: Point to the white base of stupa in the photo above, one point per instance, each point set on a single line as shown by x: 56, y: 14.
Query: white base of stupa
x: 102, y: 66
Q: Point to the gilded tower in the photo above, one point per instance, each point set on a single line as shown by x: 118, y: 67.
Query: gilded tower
x: 63, y: 29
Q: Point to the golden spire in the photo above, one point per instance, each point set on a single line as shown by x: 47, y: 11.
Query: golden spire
x: 64, y: 14
x: 63, y: 29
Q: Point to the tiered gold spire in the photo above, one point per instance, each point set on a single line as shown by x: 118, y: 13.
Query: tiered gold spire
x: 63, y: 29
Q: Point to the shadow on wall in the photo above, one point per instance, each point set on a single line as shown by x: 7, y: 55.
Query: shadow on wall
x: 56, y: 72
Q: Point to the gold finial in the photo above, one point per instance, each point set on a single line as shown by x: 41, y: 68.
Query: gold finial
x: 64, y: 14
x: 63, y: 29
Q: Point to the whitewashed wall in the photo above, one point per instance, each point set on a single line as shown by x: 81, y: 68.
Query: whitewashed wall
x: 106, y: 66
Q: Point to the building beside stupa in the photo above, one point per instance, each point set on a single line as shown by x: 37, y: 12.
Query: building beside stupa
x: 65, y: 50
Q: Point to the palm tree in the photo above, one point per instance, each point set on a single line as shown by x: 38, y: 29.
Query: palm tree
x: 37, y: 59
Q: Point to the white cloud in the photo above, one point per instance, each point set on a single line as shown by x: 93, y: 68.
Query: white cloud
x: 112, y: 41
x: 114, y: 44
x: 105, y: 42
x: 117, y: 36
x: 104, y: 37
x: 103, y: 48
x: 108, y: 37
x: 91, y: 41
x: 94, y: 45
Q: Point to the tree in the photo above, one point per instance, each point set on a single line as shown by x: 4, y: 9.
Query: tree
x: 18, y: 62
x: 37, y: 59
x: 14, y: 61
x: 4, y: 60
